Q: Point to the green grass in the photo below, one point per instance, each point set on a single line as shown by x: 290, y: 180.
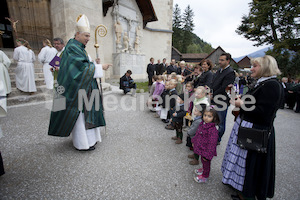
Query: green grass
x: 142, y: 87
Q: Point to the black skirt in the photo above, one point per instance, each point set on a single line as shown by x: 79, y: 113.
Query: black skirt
x: 260, y: 172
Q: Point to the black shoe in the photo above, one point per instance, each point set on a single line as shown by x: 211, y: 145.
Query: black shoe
x: 165, y: 120
x: 90, y: 149
x: 235, y: 197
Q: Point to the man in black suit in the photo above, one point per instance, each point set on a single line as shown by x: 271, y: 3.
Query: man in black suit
x: 224, y: 76
x: 150, y: 71
x: 196, y: 76
x: 172, y: 67
x: 159, y: 68
x: 164, y: 65
x: 180, y: 68
x: 284, y: 82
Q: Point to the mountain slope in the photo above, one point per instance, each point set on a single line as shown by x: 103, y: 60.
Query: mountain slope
x: 255, y: 54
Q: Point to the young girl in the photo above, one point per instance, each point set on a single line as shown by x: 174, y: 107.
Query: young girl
x: 179, y: 87
x: 177, y: 119
x: 200, y: 97
x: 192, y: 132
x: 164, y: 111
x: 205, y: 142
x: 152, y: 88
x: 189, y: 89
x: 159, y: 88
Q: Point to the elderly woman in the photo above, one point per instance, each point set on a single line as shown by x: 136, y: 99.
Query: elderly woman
x: 252, y: 173
x: 206, y: 76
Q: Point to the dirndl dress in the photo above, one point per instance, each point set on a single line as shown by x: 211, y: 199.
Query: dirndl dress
x: 234, y: 161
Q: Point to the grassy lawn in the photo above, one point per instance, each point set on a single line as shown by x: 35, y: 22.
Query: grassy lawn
x: 142, y: 87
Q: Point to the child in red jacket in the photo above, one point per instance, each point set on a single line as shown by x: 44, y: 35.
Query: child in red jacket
x: 205, y: 142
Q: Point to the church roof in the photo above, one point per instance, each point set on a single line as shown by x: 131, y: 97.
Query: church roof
x: 147, y: 11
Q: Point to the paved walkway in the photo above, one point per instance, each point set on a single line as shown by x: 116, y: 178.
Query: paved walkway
x: 136, y: 159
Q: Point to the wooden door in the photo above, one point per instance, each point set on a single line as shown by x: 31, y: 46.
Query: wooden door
x: 34, y: 20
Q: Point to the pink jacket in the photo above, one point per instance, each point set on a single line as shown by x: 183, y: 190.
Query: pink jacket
x: 205, y: 140
x: 159, y: 88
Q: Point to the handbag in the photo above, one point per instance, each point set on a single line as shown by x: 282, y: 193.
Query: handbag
x: 253, y: 139
x: 256, y: 139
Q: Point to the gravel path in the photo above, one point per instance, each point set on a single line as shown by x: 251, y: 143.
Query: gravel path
x: 136, y: 159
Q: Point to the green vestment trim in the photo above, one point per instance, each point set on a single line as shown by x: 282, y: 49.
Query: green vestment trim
x: 76, y: 72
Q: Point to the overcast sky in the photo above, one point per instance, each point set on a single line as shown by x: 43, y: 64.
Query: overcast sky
x: 216, y: 21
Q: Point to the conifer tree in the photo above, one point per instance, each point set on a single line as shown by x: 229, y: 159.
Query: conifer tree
x: 188, y: 27
x: 273, y: 22
x: 177, y: 21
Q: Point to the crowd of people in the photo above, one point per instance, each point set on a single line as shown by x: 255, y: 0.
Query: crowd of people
x: 195, y: 100
x: 191, y: 99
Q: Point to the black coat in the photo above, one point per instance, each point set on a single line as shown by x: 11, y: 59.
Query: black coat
x: 220, y: 82
x: 196, y: 81
x: 178, y: 71
x: 260, y: 167
x: 180, y: 114
x: 164, y: 69
x: 266, y: 98
x: 123, y: 79
x: 159, y: 69
x: 163, y: 97
x: 205, y: 79
x: 242, y: 81
x: 186, y: 74
x: 150, y: 70
x: 172, y: 102
x: 171, y: 68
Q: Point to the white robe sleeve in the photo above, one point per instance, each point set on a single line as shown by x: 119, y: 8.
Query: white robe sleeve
x: 98, y: 71
x: 16, y: 54
x: 6, y: 61
x: 42, y: 55
x: 98, y: 68
x: 33, y: 56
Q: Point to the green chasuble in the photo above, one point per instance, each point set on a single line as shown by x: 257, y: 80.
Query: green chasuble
x: 76, y: 72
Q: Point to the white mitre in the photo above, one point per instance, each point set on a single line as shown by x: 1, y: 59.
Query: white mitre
x: 83, y: 24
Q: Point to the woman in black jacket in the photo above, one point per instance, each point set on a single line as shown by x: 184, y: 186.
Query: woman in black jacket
x: 206, y: 76
x: 252, y: 173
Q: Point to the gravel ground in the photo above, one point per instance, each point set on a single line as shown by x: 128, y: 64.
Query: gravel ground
x: 136, y: 159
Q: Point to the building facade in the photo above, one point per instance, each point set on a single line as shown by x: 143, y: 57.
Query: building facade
x: 136, y: 29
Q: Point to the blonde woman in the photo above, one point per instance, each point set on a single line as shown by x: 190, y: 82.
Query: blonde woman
x: 47, y: 53
x: 250, y: 172
x: 25, y: 69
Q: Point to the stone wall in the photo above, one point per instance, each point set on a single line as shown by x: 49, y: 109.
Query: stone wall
x: 155, y: 44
